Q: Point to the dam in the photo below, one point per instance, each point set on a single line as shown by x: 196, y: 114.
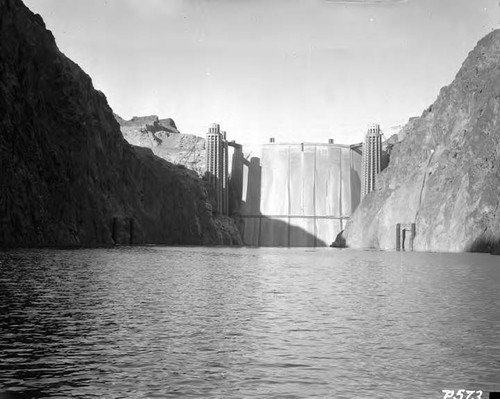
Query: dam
x: 296, y: 194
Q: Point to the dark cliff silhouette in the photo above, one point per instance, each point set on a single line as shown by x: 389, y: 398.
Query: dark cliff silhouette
x: 67, y: 175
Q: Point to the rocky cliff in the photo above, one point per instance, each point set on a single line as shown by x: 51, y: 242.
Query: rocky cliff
x: 444, y: 175
x: 163, y: 138
x: 67, y: 176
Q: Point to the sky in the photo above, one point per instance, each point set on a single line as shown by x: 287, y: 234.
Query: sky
x: 296, y: 70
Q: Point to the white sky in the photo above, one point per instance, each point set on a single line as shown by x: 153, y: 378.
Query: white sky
x: 297, y: 70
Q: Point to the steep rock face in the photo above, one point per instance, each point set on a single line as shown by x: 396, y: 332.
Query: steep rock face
x: 163, y: 138
x: 67, y: 176
x: 444, y: 175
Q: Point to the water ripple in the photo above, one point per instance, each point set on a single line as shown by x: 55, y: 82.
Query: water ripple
x: 151, y: 322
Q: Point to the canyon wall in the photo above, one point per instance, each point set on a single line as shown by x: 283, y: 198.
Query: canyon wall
x: 67, y: 176
x: 163, y: 138
x: 444, y: 175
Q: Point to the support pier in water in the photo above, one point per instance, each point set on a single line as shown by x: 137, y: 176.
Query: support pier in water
x: 405, y: 234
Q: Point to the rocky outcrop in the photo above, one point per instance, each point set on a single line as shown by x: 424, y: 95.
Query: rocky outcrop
x: 402, y: 132
x: 150, y: 123
x: 444, y: 175
x: 163, y: 138
x: 67, y: 176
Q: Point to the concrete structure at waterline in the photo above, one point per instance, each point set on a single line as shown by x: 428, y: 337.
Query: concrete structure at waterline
x: 237, y: 161
x: 405, y: 235
x: 372, y: 159
x: 298, y: 194
x: 217, y: 166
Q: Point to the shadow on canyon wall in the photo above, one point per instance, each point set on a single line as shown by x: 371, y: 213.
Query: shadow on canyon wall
x: 68, y: 177
x: 485, y: 244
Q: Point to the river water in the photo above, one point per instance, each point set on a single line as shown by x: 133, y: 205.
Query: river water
x: 163, y: 322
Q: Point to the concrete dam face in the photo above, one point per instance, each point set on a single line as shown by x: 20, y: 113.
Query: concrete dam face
x: 299, y: 194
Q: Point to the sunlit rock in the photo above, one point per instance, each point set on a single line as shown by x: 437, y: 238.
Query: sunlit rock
x: 444, y: 173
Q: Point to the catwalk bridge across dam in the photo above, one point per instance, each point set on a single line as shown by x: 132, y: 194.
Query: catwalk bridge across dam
x: 299, y: 194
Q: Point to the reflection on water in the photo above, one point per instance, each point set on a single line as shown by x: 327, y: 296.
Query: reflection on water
x: 220, y: 322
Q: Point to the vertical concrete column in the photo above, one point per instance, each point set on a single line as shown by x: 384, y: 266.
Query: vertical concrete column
x: 131, y: 231
x: 398, y: 237
x: 114, y: 229
x: 413, y: 231
x: 288, y: 210
x: 341, y: 213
